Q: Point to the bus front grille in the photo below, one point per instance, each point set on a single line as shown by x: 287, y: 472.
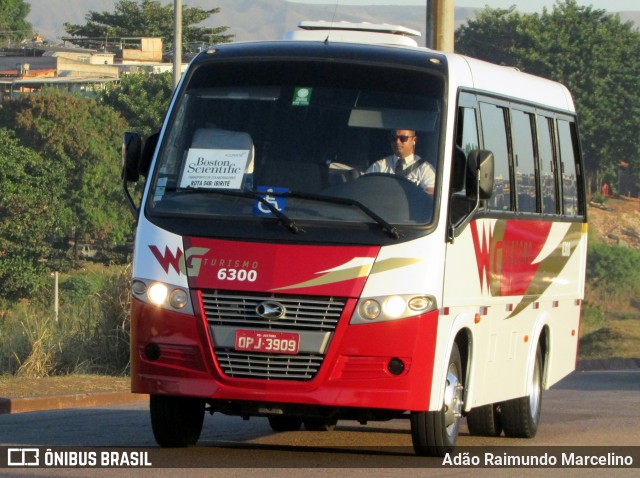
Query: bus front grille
x: 302, y: 367
x: 313, y: 318
x: 302, y: 313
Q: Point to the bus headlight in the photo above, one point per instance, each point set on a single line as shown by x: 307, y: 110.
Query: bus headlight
x: 178, y: 298
x: 157, y: 293
x: 369, y: 309
x: 138, y: 288
x: 167, y: 296
x: 392, y: 307
x: 421, y: 304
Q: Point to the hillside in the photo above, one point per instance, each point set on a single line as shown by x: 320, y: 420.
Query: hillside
x: 253, y: 19
x: 617, y: 221
x: 246, y: 19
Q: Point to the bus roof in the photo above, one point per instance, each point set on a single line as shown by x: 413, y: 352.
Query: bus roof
x: 507, y: 81
x: 480, y: 75
x: 462, y: 71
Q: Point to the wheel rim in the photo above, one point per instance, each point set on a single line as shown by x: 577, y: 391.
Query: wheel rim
x: 536, y: 392
x: 452, y: 400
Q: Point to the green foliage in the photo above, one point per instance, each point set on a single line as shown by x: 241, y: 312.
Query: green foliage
x: 81, y: 140
x: 30, y: 212
x: 142, y: 99
x: 600, y: 343
x: 614, y: 269
x: 599, y: 198
x: 148, y: 18
x: 593, y: 317
x: 13, y: 21
x: 592, y: 52
x: 76, y: 288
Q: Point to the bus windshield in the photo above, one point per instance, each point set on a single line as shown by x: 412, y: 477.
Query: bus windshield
x: 294, y: 142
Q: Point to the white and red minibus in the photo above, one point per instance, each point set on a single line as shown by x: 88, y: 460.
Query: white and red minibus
x: 273, y: 277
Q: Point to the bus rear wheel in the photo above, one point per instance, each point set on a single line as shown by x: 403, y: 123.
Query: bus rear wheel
x: 176, y: 421
x: 320, y: 424
x: 436, y: 433
x: 485, y: 421
x: 520, y: 416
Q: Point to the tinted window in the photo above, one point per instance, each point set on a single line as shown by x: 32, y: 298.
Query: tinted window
x: 547, y: 166
x: 569, y: 174
x: 524, y: 159
x: 495, y: 140
x: 249, y: 140
x: 469, y: 137
x: 466, y: 140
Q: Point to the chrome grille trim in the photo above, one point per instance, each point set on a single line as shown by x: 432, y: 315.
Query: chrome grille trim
x: 314, y: 318
x: 302, y: 312
x: 301, y: 367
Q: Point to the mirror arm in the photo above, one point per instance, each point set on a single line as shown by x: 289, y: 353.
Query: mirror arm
x: 132, y: 206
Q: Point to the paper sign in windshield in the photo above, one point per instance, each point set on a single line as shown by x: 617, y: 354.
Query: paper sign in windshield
x: 214, y: 168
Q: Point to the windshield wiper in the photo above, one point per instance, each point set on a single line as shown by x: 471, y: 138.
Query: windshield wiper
x: 284, y: 219
x: 386, y: 226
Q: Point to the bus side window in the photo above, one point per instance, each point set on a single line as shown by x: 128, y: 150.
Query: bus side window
x: 494, y: 131
x: 571, y: 205
x: 524, y: 159
x: 547, y: 165
x: 466, y: 141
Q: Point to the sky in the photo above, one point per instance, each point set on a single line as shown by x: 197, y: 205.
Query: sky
x: 522, y: 5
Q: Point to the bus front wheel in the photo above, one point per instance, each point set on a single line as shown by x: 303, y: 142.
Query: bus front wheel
x: 176, y: 421
x: 435, y: 433
x: 520, y: 416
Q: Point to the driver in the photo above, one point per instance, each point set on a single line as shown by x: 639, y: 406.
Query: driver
x: 405, y: 162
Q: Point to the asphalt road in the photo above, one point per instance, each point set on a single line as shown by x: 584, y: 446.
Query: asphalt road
x: 586, y: 409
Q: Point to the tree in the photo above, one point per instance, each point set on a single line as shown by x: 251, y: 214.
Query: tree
x: 83, y: 139
x: 14, y: 27
x: 148, y: 18
x: 593, y: 53
x: 30, y: 213
x: 142, y: 99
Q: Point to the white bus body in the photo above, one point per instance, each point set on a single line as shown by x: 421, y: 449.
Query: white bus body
x: 273, y: 278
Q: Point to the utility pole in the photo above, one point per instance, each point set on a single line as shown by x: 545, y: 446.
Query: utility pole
x: 440, y: 22
x: 177, y: 42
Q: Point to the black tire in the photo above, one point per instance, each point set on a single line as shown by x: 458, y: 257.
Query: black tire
x: 320, y: 424
x: 176, y: 421
x: 520, y: 416
x: 436, y: 433
x: 485, y: 421
x: 284, y: 423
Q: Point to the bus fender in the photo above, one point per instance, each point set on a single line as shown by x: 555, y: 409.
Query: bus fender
x: 541, y: 322
x: 463, y: 322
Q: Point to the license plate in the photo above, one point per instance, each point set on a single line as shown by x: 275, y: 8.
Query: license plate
x: 267, y: 342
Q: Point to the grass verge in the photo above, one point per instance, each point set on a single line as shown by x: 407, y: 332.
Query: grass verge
x: 12, y: 386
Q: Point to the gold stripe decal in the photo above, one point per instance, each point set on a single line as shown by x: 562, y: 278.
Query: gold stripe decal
x: 550, y: 268
x: 357, y: 268
x: 393, y: 263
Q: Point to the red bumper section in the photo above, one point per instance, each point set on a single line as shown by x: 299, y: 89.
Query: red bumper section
x: 385, y: 365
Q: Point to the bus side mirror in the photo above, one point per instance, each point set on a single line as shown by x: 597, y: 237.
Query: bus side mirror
x: 147, y: 154
x: 480, y: 175
x: 131, y: 153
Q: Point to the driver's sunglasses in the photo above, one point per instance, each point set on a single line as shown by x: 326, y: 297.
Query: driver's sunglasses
x: 402, y: 137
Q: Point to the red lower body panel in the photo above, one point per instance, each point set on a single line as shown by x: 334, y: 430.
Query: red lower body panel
x: 172, y: 354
